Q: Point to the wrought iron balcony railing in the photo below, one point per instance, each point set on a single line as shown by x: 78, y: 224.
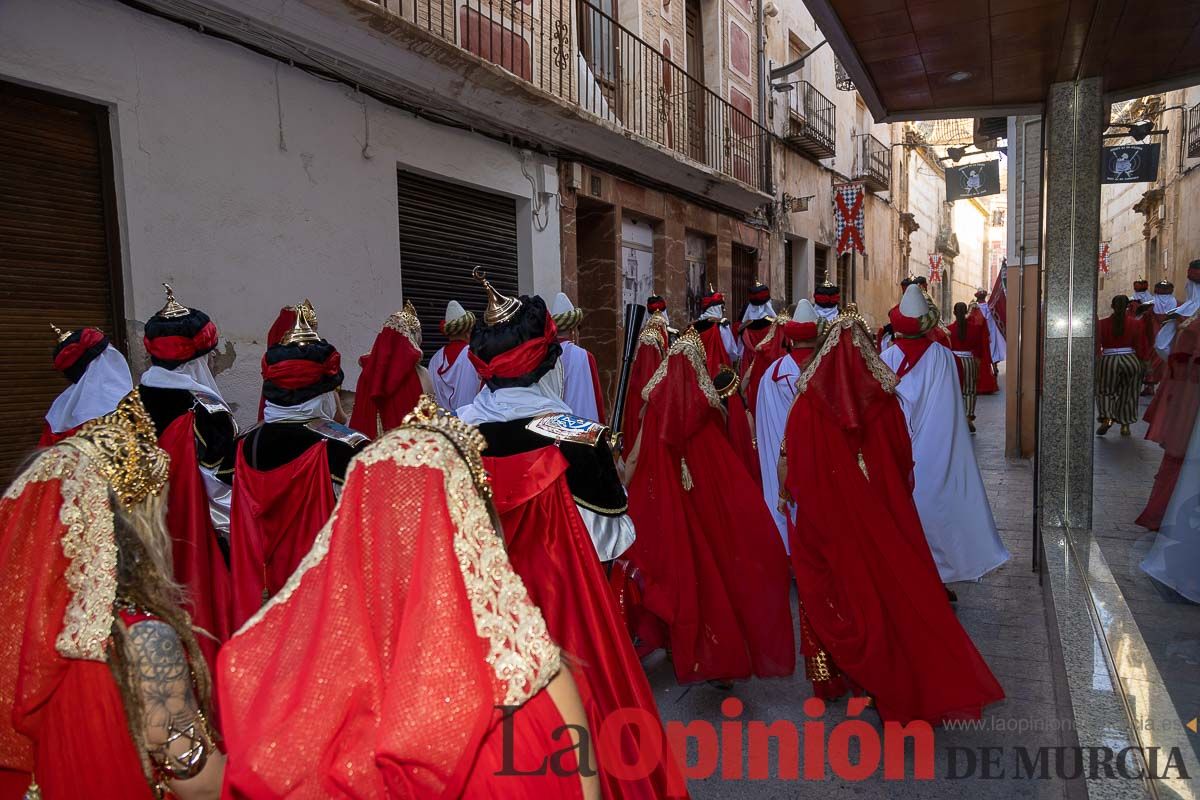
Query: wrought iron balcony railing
x: 579, y: 53
x: 1193, y: 131
x: 872, y: 163
x: 812, y: 124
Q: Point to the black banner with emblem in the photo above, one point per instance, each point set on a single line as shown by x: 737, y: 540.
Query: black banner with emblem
x: 973, y: 180
x: 1131, y: 163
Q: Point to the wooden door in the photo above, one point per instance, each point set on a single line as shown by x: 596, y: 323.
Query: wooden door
x: 694, y: 91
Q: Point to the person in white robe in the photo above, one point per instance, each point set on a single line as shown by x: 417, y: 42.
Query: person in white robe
x: 948, y: 488
x: 712, y: 306
x: 581, y: 379
x: 1141, y: 293
x: 826, y: 298
x: 453, y: 376
x: 776, y: 391
x: 995, y: 337
x: 99, y: 377
x: 1175, y: 313
x: 1174, y: 558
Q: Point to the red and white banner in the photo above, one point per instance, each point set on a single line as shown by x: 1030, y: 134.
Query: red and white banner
x: 848, y: 199
x: 935, y: 267
x: 1103, y: 262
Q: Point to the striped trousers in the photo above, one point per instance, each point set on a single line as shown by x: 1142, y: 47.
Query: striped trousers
x: 969, y: 369
x: 1117, y: 385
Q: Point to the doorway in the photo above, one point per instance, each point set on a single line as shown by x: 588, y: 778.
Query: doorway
x: 694, y: 91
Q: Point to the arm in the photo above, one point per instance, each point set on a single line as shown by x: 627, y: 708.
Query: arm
x: 176, y: 734
x: 565, y: 694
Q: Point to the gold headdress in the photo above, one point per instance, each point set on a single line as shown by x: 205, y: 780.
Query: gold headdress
x: 467, y: 439
x: 499, y: 308
x: 60, y: 333
x: 172, y: 309
x: 302, y: 331
x: 124, y: 446
x: 406, y: 322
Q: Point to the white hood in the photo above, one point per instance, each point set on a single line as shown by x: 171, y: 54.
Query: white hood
x: 561, y: 305
x: 805, y: 312
x: 913, y: 303
x: 454, y: 310
x: 97, y: 392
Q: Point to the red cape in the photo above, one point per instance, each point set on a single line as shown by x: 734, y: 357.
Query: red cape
x: 199, y: 566
x: 737, y: 423
x: 714, y: 349
x: 866, y: 579
x: 49, y: 438
x: 645, y: 361
x: 715, y: 570
x: 275, y: 517
x: 282, y: 324
x: 596, y: 386
x: 552, y: 552
x: 768, y: 350
x: 987, y: 383
x: 389, y: 385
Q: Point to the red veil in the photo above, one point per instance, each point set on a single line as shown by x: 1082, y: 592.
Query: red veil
x: 61, y: 714
x: 282, y: 324
x: 652, y: 344
x: 716, y: 572
x: 389, y: 385
x: 865, y: 576
x: 737, y: 424
x: 769, y: 350
x: 377, y: 671
x: 986, y: 383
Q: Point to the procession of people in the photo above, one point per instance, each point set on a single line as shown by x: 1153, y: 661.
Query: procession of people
x: 458, y: 577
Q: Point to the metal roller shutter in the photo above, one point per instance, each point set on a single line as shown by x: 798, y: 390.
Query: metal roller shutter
x: 58, y: 250
x: 447, y: 229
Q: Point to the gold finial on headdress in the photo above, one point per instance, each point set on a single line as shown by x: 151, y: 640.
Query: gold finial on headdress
x: 711, y: 290
x: 172, y: 309
x: 827, y: 284
x: 310, y: 313
x: 499, y: 308
x: 60, y: 333
x: 124, y: 446
x: 301, y: 332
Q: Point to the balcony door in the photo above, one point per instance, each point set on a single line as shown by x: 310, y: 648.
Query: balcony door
x: 599, y: 44
x: 694, y: 36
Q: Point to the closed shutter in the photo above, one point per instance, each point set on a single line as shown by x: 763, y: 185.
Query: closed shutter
x: 58, y: 251
x: 745, y: 266
x: 446, y: 230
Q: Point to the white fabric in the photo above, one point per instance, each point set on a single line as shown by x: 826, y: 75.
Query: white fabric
x: 963, y: 353
x: 1165, y: 303
x: 454, y: 384
x: 504, y: 405
x: 194, y: 376
x: 1174, y: 558
x: 913, y: 304
x: 885, y: 341
x: 753, y: 312
x: 323, y: 406
x: 776, y: 392
x: 999, y: 346
x: 1116, y: 351
x: 454, y: 310
x: 828, y: 314
x: 611, y: 536
x: 1166, y: 334
x: 561, y: 305
x: 948, y: 491
x: 102, y: 386
x: 733, y: 348
x: 805, y: 311
x: 1143, y: 297
x: 220, y: 500
x: 716, y: 312
x: 579, y: 390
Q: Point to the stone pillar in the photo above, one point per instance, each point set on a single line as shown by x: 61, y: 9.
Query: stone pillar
x: 1074, y: 125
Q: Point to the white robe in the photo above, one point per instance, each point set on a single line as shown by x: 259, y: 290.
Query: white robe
x: 456, y: 384
x: 948, y: 491
x: 999, y: 346
x: 1174, y: 559
x: 829, y: 314
x: 733, y: 348
x: 1166, y: 334
x: 776, y: 392
x: 579, y: 388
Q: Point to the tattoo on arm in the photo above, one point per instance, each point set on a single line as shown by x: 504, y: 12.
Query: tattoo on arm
x: 165, y: 680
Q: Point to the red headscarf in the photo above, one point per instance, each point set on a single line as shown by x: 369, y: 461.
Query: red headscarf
x: 908, y: 337
x: 182, y: 348
x: 389, y: 385
x: 521, y: 360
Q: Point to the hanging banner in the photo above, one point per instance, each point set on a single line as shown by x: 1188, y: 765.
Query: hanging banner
x: 973, y: 180
x: 1130, y: 163
x: 935, y: 267
x: 848, y: 217
x: 1103, y: 265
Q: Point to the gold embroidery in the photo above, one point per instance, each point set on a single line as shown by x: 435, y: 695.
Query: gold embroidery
x: 862, y: 465
x: 521, y: 653
x: 406, y: 322
x: 862, y: 341
x: 123, y: 446
x: 654, y: 331
x: 685, y: 476
x: 691, y: 345
x: 88, y: 544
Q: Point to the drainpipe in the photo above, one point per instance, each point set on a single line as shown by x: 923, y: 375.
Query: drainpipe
x: 768, y: 171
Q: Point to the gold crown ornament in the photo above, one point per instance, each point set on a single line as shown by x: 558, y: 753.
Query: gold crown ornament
x: 172, y: 309
x: 405, y: 321
x: 60, y: 333
x: 302, y: 332
x: 499, y: 308
x: 124, y: 446
x: 310, y: 313
x: 467, y: 439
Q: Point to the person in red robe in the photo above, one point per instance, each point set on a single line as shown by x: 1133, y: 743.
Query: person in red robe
x: 875, y: 618
x: 1172, y: 413
x: 103, y: 690
x: 195, y: 426
x: 1161, y: 308
x: 769, y: 349
x: 720, y: 342
x: 753, y: 328
x: 722, y: 350
x: 392, y: 378
x: 723, y: 599
x: 986, y: 383
x: 653, y: 341
x: 968, y: 342
x: 1122, y: 353
x: 405, y: 659
x: 288, y: 468
x: 548, y: 467
x: 99, y: 377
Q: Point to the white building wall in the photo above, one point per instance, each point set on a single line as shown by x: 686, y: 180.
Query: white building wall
x: 248, y: 184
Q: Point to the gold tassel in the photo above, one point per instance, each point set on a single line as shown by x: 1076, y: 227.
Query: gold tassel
x: 685, y: 477
x: 863, y: 466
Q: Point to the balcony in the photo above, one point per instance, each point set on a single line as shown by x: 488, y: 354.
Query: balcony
x: 579, y: 54
x: 872, y: 163
x: 1193, y: 131
x: 812, y: 122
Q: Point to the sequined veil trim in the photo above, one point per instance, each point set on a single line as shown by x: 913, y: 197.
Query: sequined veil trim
x: 88, y: 544
x: 520, y: 650
x: 692, y: 346
x: 862, y: 341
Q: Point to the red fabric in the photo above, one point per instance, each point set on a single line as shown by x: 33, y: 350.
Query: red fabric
x: 275, y: 517
x: 282, y: 324
x: 913, y: 349
x: 827, y: 300
x: 768, y: 352
x: 451, y: 352
x: 710, y: 300
x: 1133, y: 336
x: 1172, y: 417
x: 656, y: 305
x: 645, y: 361
x: 998, y: 302
x: 182, y: 348
x: 751, y: 338
x: 63, y: 719
x: 865, y: 576
x: 66, y: 358
x: 714, y: 349
x: 49, y: 438
x: 552, y: 552
x: 521, y: 360
x: 1160, y: 492
x: 974, y: 342
x: 371, y: 679
x: 299, y: 373
x: 199, y: 566
x: 389, y: 386
x: 596, y: 386
x: 741, y: 437
x: 760, y: 295
x: 715, y: 570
